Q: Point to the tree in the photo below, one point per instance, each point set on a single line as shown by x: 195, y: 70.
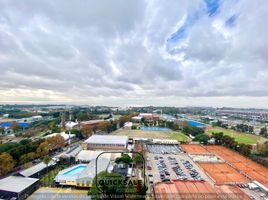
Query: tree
x: 51, y: 125
x: 138, y: 159
x: 202, y: 138
x: 86, y: 130
x: 125, y: 158
x: 244, y: 149
x: 263, y: 132
x: 218, y: 137
x: 263, y: 149
x: 43, y: 149
x: 27, y: 157
x: 114, y: 125
x: 25, y: 141
x: 122, y: 120
x: 7, y: 163
x: 46, y: 160
x: 7, y: 146
x: 192, y: 130
x: 170, y: 124
x: 15, y: 127
x: 76, y: 132
x: 2, y: 130
x: 105, y: 126
x: 55, y: 142
x: 111, y: 185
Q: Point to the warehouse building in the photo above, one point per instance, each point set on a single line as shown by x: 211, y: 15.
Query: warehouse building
x: 37, y: 170
x: 17, y: 187
x: 106, y: 142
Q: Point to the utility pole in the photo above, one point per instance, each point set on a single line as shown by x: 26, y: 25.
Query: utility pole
x: 63, y: 119
x: 70, y: 121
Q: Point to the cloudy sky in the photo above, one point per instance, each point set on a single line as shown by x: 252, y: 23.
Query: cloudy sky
x: 135, y: 52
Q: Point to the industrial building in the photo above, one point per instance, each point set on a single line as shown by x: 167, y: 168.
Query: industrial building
x: 106, y: 142
x: 17, y: 187
x: 37, y: 170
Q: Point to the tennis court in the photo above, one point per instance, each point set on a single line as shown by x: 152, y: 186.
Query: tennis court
x: 194, y: 149
x: 246, y: 166
x: 222, y: 173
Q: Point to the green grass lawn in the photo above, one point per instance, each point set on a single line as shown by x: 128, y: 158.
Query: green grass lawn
x: 179, y: 136
x: 239, y: 137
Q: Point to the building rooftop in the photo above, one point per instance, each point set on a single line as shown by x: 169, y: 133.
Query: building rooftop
x: 107, y: 139
x: 88, y: 155
x: 16, y: 183
x: 92, y: 121
x: 71, y: 124
x: 128, y: 124
x: 35, y: 169
x: 196, y: 190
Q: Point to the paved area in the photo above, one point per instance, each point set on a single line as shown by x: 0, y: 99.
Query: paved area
x: 154, y: 175
x: 58, y: 194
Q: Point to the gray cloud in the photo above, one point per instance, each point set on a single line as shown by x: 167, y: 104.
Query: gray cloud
x: 84, y: 51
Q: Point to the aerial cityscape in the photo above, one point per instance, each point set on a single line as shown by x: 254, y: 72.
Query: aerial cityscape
x: 144, y: 99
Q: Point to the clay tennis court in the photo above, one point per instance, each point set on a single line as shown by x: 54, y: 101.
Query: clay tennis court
x: 196, y: 190
x: 222, y: 173
x: 254, y: 170
x: 194, y: 149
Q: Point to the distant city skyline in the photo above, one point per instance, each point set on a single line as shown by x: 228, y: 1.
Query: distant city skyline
x: 134, y: 53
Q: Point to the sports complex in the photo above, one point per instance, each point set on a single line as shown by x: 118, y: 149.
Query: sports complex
x: 236, y: 167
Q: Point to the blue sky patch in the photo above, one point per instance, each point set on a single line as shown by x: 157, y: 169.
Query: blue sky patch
x: 212, y: 7
x: 231, y: 21
x: 182, y: 31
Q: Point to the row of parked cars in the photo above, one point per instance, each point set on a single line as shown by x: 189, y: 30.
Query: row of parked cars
x: 242, y: 185
x: 194, y: 174
x: 162, y: 168
x: 164, y: 149
x: 177, y: 169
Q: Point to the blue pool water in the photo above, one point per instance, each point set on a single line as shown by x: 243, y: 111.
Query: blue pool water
x: 9, y: 124
x: 154, y: 129
x: 76, y: 170
x: 195, y: 123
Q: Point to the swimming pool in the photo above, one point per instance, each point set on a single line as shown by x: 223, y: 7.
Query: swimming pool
x: 195, y: 123
x: 76, y: 170
x: 154, y: 129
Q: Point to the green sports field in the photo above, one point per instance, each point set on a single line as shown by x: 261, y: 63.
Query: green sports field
x: 153, y: 134
x: 239, y: 137
x: 178, y: 136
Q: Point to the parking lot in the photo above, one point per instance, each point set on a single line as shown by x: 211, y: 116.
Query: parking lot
x: 172, y: 166
x: 164, y: 149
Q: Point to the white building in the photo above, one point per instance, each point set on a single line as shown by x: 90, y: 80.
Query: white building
x: 128, y: 125
x: 106, y: 142
x: 88, y: 155
x: 71, y: 125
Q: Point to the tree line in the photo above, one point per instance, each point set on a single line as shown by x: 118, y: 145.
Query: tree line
x: 14, y: 154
